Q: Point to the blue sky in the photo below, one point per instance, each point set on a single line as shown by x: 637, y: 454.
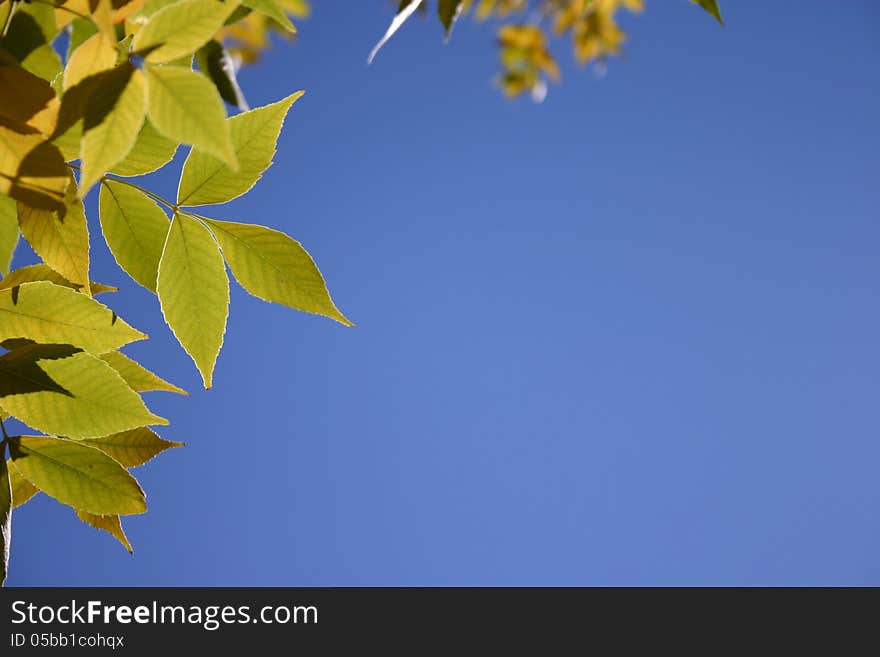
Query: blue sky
x: 624, y: 337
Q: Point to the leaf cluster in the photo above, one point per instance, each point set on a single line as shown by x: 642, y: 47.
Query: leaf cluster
x: 131, y: 82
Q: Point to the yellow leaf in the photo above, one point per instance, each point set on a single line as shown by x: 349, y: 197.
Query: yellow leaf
x: 96, y: 54
x: 109, y: 523
x: 112, y: 126
x: 60, y: 238
x: 32, y: 169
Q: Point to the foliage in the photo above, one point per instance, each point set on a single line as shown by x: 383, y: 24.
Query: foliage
x: 524, y: 52
x: 106, y: 90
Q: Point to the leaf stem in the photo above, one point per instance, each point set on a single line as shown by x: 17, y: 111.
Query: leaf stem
x: 3, y: 428
x: 146, y: 192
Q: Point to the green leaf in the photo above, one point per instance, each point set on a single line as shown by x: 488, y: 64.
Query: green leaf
x: 8, y: 232
x: 185, y: 106
x: 274, y: 267
x: 271, y: 9
x: 215, y: 62
x: 407, y: 9
x: 151, y: 151
x: 78, y: 475
x: 60, y: 390
x: 61, y: 240
x: 112, y: 123
x: 194, y: 292
x: 132, y: 448
x: 180, y: 29
x: 5, y: 517
x: 138, y: 377
x: 29, y: 37
x: 110, y: 524
x: 41, y: 272
x: 712, y: 7
x: 81, y: 28
x: 22, y: 489
x: 206, y: 180
x: 53, y: 314
x: 448, y: 11
x: 135, y: 229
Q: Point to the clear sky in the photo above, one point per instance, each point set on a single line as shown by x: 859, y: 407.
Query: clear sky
x: 627, y: 336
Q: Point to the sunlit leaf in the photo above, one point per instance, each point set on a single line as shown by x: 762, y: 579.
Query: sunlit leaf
x: 194, y: 292
x: 42, y: 272
x: 274, y: 267
x: 8, y: 232
x: 185, y: 106
x: 135, y: 229
x: 34, y: 103
x: 32, y: 169
x: 181, y: 28
x: 52, y: 314
x: 712, y: 7
x: 29, y: 37
x: 110, y: 130
x: 138, y: 377
x: 273, y: 10
x: 22, y: 489
x: 78, y: 475
x: 132, y: 448
x: 60, y: 390
x: 81, y: 28
x: 254, y: 135
x: 110, y: 524
x: 60, y: 239
x: 96, y: 55
x: 151, y: 151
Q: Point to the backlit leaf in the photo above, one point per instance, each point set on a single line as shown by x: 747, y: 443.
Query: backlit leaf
x: 181, y: 28
x: 78, y: 475
x: 274, y: 267
x: 32, y: 169
x: 271, y: 9
x: 52, y: 314
x: 60, y: 390
x: 254, y: 135
x: 61, y: 240
x: 8, y: 232
x: 194, y: 292
x: 29, y: 37
x: 95, y: 55
x: 712, y: 7
x: 34, y: 103
x: 110, y: 130
x: 132, y: 448
x: 110, y: 524
x: 151, y: 151
x: 42, y: 272
x: 22, y: 489
x: 135, y: 229
x: 138, y: 377
x: 185, y: 106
